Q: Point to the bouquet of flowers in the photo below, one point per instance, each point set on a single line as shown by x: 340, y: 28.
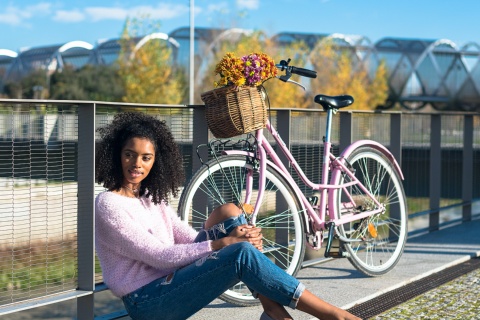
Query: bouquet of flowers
x: 237, y: 105
x: 249, y: 70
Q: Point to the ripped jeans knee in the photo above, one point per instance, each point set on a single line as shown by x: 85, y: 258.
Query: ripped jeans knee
x: 221, y: 229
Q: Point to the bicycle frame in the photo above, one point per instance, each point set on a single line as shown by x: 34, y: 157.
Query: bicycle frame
x: 327, y: 190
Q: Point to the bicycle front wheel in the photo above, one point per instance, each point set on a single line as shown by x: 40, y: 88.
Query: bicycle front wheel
x: 224, y: 180
x: 378, y: 240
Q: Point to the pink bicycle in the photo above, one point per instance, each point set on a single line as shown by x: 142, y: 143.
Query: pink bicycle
x: 362, y: 206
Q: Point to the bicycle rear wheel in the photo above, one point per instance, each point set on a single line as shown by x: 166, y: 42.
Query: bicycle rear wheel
x: 381, y: 237
x: 223, y: 180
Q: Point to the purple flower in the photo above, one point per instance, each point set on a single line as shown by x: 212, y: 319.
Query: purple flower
x: 253, y: 69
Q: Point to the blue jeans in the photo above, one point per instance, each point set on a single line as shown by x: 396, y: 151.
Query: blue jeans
x: 221, y: 229
x: 192, y: 287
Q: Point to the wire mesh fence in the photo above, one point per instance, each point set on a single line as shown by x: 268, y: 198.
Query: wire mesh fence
x: 38, y: 201
x: 39, y: 174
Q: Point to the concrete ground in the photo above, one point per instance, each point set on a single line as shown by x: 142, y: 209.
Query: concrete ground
x: 339, y: 283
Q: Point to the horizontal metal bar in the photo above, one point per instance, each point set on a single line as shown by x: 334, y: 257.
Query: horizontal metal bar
x: 424, y: 99
x: 43, y: 301
x: 312, y: 262
x: 426, y: 212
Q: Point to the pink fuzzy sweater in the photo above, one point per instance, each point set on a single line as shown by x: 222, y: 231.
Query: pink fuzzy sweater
x: 138, y: 241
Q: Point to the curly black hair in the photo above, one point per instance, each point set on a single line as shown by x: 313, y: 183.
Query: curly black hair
x: 166, y: 175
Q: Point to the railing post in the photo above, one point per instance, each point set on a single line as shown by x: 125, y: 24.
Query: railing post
x: 396, y: 150
x: 467, y: 168
x: 284, y: 130
x: 435, y: 170
x: 86, y: 212
x: 396, y: 136
x: 345, y: 129
x: 200, y: 136
x: 281, y: 236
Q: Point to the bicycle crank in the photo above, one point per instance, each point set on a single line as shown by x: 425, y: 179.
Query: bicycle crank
x: 331, y: 233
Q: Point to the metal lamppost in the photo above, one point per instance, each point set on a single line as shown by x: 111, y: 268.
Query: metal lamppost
x: 192, y: 52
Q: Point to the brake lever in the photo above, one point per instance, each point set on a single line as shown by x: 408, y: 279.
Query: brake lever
x: 286, y: 79
x: 298, y: 84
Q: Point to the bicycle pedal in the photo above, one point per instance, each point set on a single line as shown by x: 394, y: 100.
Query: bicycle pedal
x: 336, y: 254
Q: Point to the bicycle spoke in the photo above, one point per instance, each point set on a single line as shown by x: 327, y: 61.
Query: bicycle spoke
x: 267, y: 221
x: 382, y: 235
x: 224, y: 180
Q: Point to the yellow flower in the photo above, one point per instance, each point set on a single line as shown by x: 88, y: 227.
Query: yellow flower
x: 257, y: 67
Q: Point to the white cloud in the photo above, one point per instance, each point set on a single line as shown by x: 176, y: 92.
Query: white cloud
x: 162, y: 11
x: 69, y: 16
x: 40, y: 8
x: 106, y: 13
x: 10, y: 18
x: 248, y: 4
x: 17, y: 16
x: 218, y: 7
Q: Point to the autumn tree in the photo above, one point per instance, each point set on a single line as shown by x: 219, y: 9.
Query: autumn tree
x: 339, y: 74
x: 281, y: 95
x: 148, y: 70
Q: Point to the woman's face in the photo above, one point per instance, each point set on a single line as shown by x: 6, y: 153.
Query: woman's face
x: 137, y: 156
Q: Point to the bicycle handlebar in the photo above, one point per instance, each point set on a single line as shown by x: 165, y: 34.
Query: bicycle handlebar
x: 289, y: 70
x: 304, y: 72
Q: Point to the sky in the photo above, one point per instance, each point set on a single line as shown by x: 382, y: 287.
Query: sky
x: 37, y: 23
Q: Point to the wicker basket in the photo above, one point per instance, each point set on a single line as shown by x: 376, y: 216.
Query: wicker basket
x: 234, y: 111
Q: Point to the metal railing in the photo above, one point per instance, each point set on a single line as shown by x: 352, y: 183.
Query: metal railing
x: 47, y: 188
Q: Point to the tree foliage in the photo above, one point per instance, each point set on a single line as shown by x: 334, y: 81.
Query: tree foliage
x: 338, y: 73
x: 34, y: 85
x: 149, y: 73
x: 280, y: 95
x: 99, y: 83
x: 91, y: 82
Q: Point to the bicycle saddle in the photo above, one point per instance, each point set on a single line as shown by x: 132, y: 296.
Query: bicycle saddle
x: 333, y: 102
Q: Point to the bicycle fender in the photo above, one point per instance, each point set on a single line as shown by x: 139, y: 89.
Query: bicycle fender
x: 240, y: 152
x: 377, y: 146
x: 274, y: 166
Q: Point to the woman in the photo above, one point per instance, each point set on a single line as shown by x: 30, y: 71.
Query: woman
x: 158, y: 265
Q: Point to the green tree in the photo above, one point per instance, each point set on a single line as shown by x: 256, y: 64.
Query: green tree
x: 91, y: 82
x: 148, y: 72
x: 33, y: 85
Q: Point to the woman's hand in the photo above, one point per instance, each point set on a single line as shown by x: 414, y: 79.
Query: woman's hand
x: 241, y: 233
x: 250, y: 234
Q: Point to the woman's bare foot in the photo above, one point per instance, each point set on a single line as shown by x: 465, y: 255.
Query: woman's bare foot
x: 273, y: 309
x: 315, y: 306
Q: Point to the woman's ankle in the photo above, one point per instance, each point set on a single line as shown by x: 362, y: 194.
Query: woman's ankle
x: 276, y: 316
x: 274, y: 310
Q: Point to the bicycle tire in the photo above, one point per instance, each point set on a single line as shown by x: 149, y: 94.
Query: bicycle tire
x: 382, y: 235
x: 222, y: 180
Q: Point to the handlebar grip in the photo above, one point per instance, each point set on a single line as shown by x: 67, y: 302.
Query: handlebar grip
x: 304, y: 72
